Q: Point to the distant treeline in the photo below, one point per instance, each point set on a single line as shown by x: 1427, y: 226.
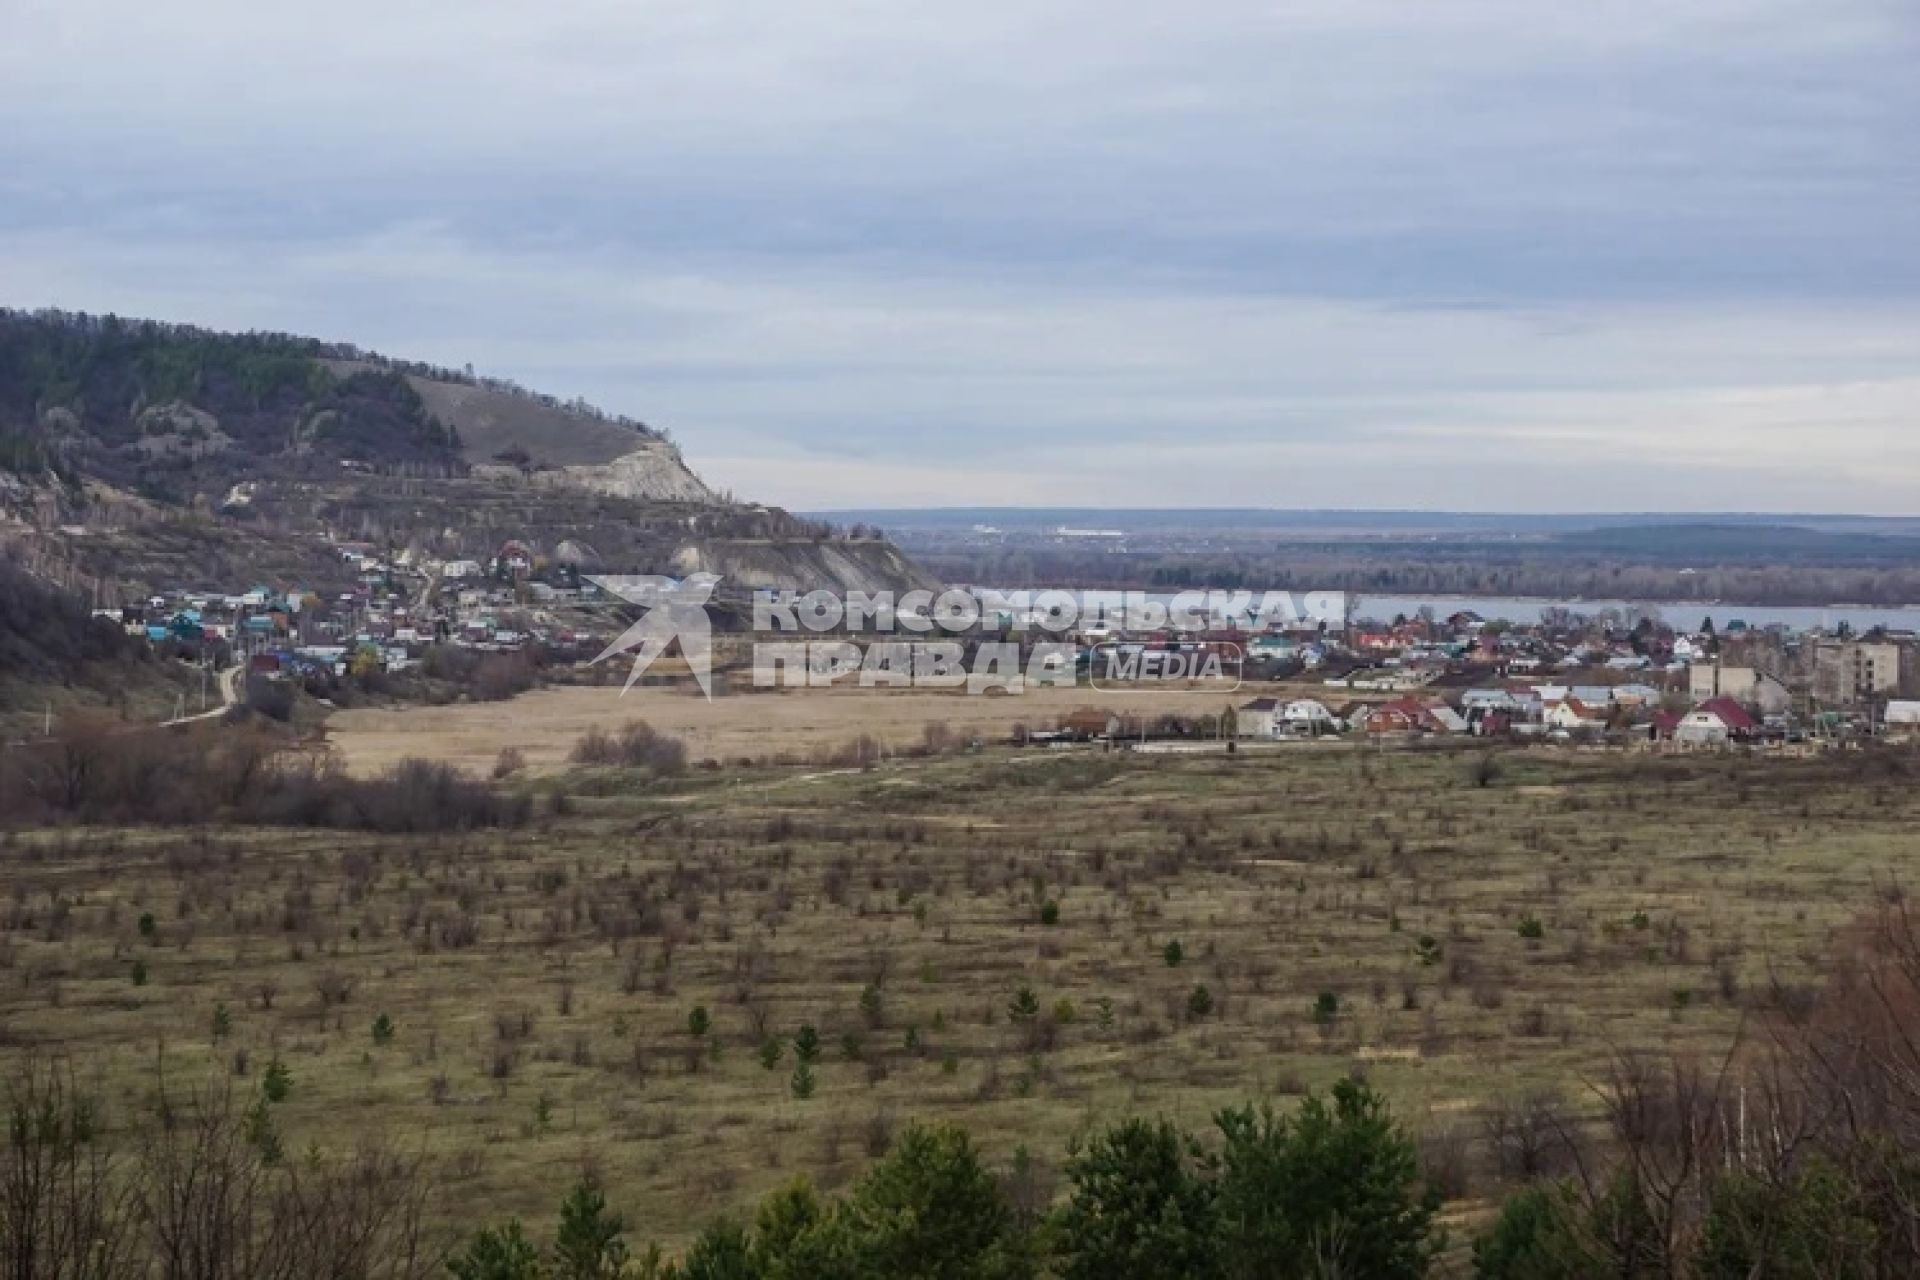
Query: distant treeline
x: 267, y: 345
x: 170, y: 411
x: 1543, y: 570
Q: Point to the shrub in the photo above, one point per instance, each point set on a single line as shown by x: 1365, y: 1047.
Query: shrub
x: 276, y: 1083
x: 636, y: 746
x: 802, y: 1082
x: 1486, y: 769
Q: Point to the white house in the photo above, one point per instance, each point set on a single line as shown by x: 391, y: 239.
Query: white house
x: 1259, y: 718
x: 1309, y: 715
x: 1714, y: 722
x: 1571, y: 713
x: 1902, y: 717
x: 1701, y: 729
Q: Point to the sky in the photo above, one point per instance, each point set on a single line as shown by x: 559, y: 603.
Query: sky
x: 1471, y: 254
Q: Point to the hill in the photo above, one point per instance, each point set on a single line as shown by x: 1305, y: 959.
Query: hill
x: 55, y: 656
x: 497, y: 425
x: 149, y: 454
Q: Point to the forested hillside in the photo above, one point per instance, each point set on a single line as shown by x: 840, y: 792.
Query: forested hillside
x: 166, y: 410
x: 141, y: 455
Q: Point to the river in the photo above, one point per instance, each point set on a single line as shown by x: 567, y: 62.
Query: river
x: 1682, y: 617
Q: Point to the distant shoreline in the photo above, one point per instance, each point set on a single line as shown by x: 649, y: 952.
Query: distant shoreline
x: 1382, y: 606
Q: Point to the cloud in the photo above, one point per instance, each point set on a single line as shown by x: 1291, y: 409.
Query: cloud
x: 1392, y: 252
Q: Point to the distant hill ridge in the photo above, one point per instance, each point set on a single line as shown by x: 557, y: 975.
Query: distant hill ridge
x: 172, y: 411
x: 137, y: 455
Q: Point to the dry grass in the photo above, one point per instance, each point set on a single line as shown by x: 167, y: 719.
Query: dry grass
x: 763, y: 726
x: 540, y: 981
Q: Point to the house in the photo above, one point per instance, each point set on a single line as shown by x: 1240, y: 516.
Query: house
x: 1515, y: 700
x: 1635, y: 695
x: 1259, y: 718
x: 1715, y: 722
x: 1397, y: 717
x: 1573, y: 714
x: 1743, y: 684
x: 1902, y: 718
x: 1090, y: 722
x: 1309, y: 715
x: 1412, y: 715
x: 1492, y: 724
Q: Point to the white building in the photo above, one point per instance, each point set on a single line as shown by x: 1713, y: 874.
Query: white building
x: 1259, y: 718
x: 1308, y: 715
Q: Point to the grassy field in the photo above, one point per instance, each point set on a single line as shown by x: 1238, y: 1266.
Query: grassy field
x: 762, y: 727
x: 1341, y: 908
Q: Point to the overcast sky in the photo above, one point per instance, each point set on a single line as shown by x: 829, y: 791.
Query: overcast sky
x: 1480, y: 254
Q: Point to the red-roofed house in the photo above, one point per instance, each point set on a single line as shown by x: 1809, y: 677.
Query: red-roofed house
x: 1715, y: 721
x: 1411, y: 715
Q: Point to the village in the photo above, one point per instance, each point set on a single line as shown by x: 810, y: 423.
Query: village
x: 1609, y: 678
x: 397, y: 611
x: 1602, y: 679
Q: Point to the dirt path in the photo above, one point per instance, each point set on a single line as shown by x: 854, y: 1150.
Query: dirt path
x: 228, y: 682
